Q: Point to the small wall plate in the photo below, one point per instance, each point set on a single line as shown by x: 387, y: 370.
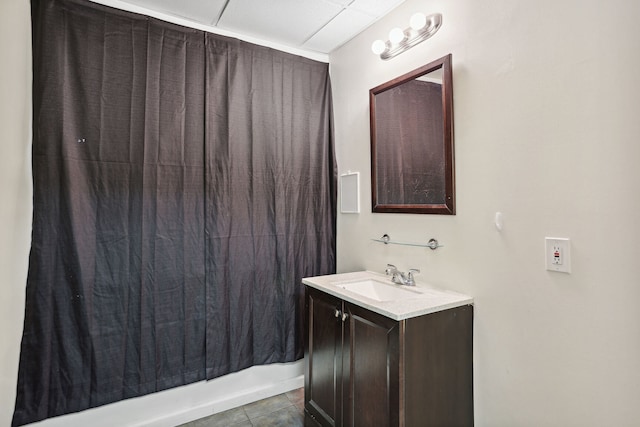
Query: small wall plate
x: 350, y: 192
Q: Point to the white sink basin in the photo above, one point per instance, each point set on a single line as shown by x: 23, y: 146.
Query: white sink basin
x: 379, y: 290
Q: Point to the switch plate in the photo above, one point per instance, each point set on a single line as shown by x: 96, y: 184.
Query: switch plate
x: 558, y: 254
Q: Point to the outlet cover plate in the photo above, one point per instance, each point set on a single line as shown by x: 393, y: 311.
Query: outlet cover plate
x: 557, y: 254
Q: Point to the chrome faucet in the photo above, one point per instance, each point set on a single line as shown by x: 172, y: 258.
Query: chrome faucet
x: 399, y: 277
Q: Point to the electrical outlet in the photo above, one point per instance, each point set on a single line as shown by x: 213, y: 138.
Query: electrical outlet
x: 558, y: 254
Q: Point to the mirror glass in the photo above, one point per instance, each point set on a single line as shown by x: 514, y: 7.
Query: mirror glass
x: 412, y: 167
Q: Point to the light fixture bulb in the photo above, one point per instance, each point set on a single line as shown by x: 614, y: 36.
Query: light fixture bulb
x: 396, y: 36
x: 418, y: 21
x: 378, y: 47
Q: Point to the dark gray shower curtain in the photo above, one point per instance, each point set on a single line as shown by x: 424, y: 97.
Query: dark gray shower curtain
x: 184, y: 183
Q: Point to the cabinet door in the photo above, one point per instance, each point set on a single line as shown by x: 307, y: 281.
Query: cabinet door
x: 438, y: 360
x: 370, y: 369
x: 323, y: 358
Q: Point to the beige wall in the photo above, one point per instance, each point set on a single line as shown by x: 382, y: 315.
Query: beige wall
x: 546, y: 99
x: 546, y: 103
x: 15, y: 189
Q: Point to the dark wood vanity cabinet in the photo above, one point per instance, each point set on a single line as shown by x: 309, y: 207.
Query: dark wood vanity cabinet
x: 364, y: 369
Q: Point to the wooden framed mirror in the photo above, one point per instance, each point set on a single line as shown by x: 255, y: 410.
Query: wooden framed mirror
x: 412, y: 157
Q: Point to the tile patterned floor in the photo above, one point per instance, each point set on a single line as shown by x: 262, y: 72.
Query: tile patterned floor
x: 283, y: 410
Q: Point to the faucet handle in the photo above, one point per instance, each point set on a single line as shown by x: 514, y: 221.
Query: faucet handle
x: 390, y: 269
x: 410, y: 279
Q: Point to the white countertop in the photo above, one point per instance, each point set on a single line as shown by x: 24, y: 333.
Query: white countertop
x: 430, y: 300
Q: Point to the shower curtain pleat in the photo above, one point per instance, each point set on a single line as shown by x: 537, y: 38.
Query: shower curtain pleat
x: 184, y: 183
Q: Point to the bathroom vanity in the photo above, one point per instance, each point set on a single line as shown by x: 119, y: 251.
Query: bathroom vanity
x: 379, y: 354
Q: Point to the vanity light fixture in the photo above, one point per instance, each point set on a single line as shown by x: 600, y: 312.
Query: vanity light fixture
x: 421, y: 28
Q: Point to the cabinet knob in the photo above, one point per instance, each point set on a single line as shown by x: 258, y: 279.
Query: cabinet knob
x: 337, y: 313
x: 344, y: 316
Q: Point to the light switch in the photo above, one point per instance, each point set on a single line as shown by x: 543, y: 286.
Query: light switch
x: 558, y: 254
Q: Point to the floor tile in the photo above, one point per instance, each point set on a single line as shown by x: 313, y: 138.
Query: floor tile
x: 287, y: 417
x: 232, y: 417
x: 266, y: 406
x: 296, y: 396
x: 283, y: 410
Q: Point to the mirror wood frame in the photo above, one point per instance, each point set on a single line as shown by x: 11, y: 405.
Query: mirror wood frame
x: 449, y: 205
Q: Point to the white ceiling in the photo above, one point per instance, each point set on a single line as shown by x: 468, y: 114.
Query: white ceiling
x: 311, y: 25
